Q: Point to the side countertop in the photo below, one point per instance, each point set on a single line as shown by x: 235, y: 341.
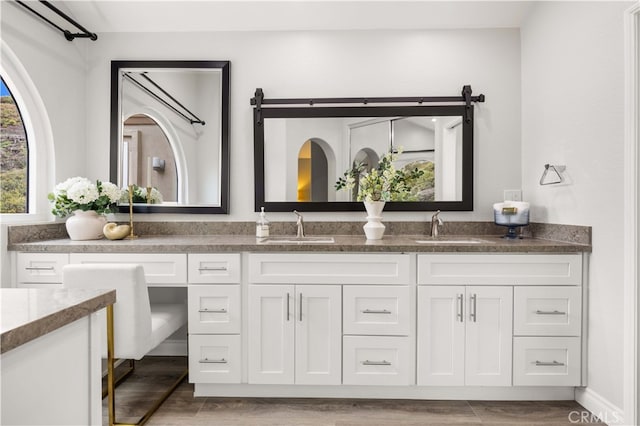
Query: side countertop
x: 26, y: 314
x: 342, y: 243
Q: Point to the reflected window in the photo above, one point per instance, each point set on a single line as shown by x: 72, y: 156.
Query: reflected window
x: 14, y: 155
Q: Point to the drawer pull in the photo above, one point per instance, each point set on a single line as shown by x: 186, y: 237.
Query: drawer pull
x: 376, y: 311
x: 213, y: 268
x: 288, y: 310
x: 539, y: 312
x: 551, y: 364
x: 213, y: 361
x: 460, y: 308
x: 383, y: 362
x: 213, y: 311
x: 473, y: 314
x: 39, y: 268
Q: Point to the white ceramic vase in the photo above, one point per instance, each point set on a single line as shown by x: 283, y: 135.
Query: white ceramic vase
x: 85, y: 225
x: 374, y: 229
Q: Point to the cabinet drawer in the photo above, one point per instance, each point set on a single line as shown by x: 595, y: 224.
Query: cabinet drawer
x: 376, y: 360
x: 376, y: 310
x: 214, y: 309
x: 329, y: 268
x: 500, y: 269
x: 207, y: 268
x: 159, y: 268
x: 40, y: 268
x: 546, y: 361
x: 547, y: 311
x: 215, y: 359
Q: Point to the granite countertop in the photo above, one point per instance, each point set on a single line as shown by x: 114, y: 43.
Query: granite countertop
x: 26, y: 313
x: 343, y: 243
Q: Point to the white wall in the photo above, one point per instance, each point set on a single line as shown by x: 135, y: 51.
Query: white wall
x: 572, y: 114
x: 55, y: 70
x: 336, y: 64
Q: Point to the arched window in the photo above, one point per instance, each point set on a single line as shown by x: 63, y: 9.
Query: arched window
x: 38, y: 172
x: 14, y: 155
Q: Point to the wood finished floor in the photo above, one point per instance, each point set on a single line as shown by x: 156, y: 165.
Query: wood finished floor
x: 153, y: 374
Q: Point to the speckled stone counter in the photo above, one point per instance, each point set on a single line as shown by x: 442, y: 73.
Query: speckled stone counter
x: 26, y: 314
x: 342, y: 243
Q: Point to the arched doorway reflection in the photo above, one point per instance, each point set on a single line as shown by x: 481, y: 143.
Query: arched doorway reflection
x: 148, y: 158
x: 313, y: 172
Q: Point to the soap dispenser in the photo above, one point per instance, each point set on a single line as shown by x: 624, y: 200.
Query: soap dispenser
x: 262, y: 225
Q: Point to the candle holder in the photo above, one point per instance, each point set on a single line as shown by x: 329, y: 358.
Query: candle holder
x: 131, y: 235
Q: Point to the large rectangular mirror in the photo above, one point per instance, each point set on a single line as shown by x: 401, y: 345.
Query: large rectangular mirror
x: 300, y: 152
x: 170, y: 132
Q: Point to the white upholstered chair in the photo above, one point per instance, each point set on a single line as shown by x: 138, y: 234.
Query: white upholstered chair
x: 137, y: 325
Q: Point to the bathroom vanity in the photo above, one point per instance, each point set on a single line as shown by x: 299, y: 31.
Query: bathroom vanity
x: 465, y: 318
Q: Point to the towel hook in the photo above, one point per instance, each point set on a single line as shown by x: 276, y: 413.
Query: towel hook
x: 555, y: 169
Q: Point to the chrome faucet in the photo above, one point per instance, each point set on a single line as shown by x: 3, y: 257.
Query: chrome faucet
x: 435, y: 222
x: 300, y: 225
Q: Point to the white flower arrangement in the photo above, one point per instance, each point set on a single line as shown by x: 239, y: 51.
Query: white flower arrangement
x: 79, y: 193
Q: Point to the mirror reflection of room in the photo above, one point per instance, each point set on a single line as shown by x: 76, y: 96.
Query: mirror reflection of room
x: 317, y: 151
x: 147, y: 157
x: 170, y: 135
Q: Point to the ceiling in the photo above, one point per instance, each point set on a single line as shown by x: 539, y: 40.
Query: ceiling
x: 267, y: 15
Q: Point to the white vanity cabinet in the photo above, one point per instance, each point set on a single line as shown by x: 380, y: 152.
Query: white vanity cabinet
x: 464, y: 335
x: 297, y: 303
x: 499, y: 319
x: 215, y: 318
x: 295, y: 334
x: 374, y: 325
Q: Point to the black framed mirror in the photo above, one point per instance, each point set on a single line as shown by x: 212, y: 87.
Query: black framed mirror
x: 301, y: 151
x: 170, y: 132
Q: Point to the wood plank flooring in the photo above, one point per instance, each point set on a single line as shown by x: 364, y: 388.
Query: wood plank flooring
x: 153, y: 374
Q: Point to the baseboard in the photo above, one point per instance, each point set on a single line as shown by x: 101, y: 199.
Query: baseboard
x: 600, y: 407
x: 170, y: 348
x: 479, y: 393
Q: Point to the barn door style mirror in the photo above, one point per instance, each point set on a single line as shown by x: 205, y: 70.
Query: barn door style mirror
x: 303, y: 146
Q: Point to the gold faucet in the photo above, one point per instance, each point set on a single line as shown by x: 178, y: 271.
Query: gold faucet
x: 435, y: 222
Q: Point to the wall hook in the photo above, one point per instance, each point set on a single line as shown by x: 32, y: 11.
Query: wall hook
x: 554, y: 170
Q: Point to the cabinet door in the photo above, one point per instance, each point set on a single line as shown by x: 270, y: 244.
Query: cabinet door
x: 318, y: 335
x: 488, y: 336
x: 441, y: 331
x: 271, y: 334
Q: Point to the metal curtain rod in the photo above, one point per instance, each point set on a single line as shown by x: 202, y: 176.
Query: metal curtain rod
x: 192, y: 120
x: 258, y: 100
x: 67, y: 34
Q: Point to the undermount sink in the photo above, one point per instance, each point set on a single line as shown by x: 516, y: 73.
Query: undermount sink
x: 453, y: 240
x: 297, y: 240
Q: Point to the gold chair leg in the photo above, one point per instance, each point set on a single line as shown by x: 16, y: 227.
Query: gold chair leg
x: 111, y: 402
x: 124, y: 376
x: 110, y: 367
